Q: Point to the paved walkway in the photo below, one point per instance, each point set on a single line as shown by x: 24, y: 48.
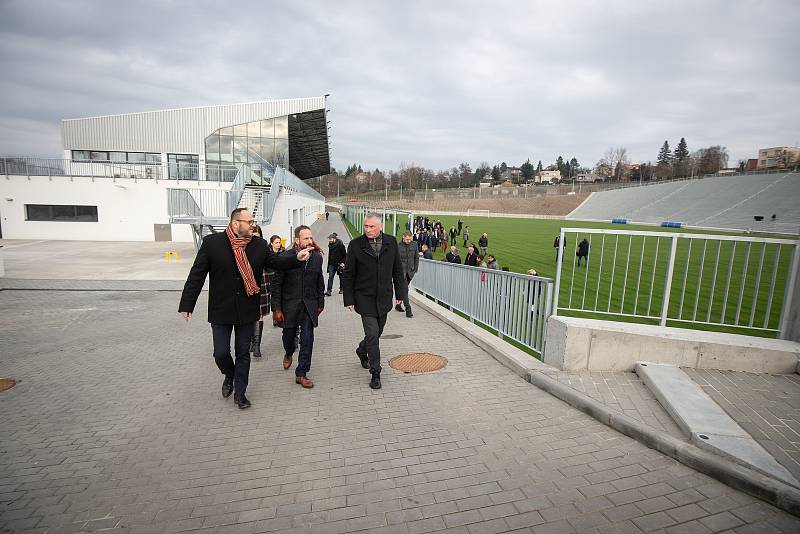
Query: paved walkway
x: 117, y: 423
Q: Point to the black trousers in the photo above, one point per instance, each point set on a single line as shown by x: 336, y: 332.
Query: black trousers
x: 306, y: 326
x: 373, y: 329
x: 240, y: 371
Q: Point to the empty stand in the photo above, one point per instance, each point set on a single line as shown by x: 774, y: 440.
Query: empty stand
x: 714, y: 202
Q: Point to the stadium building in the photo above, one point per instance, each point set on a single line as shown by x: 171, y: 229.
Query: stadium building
x: 171, y: 175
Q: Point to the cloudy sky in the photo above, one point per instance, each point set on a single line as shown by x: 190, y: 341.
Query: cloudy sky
x: 434, y: 83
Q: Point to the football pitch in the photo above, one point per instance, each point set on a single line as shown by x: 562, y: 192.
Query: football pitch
x: 716, y: 285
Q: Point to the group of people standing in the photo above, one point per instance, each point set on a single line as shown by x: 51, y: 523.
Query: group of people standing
x: 249, y: 277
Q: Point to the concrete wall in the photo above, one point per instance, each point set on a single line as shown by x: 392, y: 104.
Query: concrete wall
x: 592, y: 345
x: 127, y: 209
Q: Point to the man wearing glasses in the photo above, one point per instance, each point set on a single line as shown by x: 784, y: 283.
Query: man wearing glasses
x: 235, y: 260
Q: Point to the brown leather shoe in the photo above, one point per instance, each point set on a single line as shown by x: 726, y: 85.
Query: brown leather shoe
x: 303, y: 381
x: 287, y: 362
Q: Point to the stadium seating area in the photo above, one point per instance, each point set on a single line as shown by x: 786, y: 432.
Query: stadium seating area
x: 557, y: 205
x: 714, y: 202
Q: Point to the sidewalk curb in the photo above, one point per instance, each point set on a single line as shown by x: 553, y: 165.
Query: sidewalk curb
x: 773, y: 491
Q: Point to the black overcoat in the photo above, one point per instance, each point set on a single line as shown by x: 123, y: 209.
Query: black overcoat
x: 367, y: 280
x: 228, y: 302
x: 297, y: 288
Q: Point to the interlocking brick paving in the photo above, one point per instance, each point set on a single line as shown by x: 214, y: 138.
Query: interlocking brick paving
x: 766, y: 406
x: 117, y: 424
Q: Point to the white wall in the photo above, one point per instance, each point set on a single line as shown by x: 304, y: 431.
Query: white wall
x: 282, y: 218
x: 126, y: 209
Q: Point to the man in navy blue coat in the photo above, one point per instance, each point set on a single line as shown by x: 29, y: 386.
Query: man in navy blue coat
x: 297, y: 297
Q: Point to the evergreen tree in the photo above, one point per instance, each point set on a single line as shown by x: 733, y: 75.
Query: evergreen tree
x: 526, y: 169
x: 573, y: 166
x: 495, y: 173
x: 503, y: 167
x: 539, y: 167
x: 664, y: 155
x: 681, y: 151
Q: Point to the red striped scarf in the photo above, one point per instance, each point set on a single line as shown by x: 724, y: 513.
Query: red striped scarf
x: 238, y: 244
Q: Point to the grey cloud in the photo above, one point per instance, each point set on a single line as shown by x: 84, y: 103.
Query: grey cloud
x: 430, y: 82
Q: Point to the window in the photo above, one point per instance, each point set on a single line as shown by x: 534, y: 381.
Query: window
x: 60, y: 213
x: 183, y: 166
x: 142, y: 158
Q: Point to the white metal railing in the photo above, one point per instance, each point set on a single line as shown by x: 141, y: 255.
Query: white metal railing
x: 394, y: 220
x: 213, y: 172
x: 515, y: 305
x: 742, y: 284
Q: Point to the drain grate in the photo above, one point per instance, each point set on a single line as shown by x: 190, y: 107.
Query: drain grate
x: 418, y: 362
x: 7, y: 383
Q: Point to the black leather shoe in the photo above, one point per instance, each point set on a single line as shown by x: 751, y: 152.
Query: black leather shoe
x: 398, y: 307
x: 375, y: 383
x: 241, y: 401
x: 327, y: 293
x: 227, y: 386
x: 408, y: 313
x: 364, y: 359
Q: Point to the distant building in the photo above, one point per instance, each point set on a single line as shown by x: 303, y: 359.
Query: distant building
x: 751, y: 165
x: 781, y: 157
x: 548, y: 177
x: 511, y: 173
x: 362, y: 177
x: 587, y: 177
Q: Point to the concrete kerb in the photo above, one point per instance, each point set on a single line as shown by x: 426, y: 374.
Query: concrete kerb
x: 773, y: 491
x: 736, y: 476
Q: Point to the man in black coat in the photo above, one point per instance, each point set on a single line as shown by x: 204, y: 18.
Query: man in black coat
x: 235, y: 261
x: 336, y: 256
x: 372, y: 268
x: 409, y: 259
x: 297, y: 297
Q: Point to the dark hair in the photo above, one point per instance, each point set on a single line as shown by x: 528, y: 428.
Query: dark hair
x: 273, y: 238
x: 237, y: 211
x: 300, y: 229
x: 407, y: 233
x: 258, y: 231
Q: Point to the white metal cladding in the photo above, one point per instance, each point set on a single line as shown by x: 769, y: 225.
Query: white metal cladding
x: 173, y: 130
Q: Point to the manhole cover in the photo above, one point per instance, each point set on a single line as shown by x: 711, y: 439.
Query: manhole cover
x: 418, y: 362
x: 7, y: 383
x: 392, y: 336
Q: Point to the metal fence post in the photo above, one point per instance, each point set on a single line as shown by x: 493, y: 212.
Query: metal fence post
x: 558, y: 272
x: 668, y: 282
x: 787, y: 298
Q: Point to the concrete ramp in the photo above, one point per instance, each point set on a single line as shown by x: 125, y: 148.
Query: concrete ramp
x: 706, y: 424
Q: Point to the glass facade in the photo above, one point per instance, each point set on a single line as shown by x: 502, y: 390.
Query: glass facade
x: 258, y: 142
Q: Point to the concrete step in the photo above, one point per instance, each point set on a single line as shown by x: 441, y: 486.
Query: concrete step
x: 705, y: 423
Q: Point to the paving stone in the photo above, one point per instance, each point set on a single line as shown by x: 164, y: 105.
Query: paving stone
x: 130, y: 429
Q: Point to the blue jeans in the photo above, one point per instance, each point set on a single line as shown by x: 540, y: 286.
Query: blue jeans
x: 240, y: 371
x: 331, y: 273
x: 306, y: 343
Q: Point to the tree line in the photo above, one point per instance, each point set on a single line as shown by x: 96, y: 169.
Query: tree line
x: 614, y: 166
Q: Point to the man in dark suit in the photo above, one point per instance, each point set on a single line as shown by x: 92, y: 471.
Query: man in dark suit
x: 372, y: 268
x: 235, y: 261
x: 336, y: 256
x: 297, y: 297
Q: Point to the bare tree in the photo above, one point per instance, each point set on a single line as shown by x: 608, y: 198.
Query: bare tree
x: 615, y: 158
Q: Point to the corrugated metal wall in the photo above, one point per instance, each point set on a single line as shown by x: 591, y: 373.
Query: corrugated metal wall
x: 177, y: 130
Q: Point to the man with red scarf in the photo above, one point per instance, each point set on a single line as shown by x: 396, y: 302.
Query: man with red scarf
x: 235, y: 261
